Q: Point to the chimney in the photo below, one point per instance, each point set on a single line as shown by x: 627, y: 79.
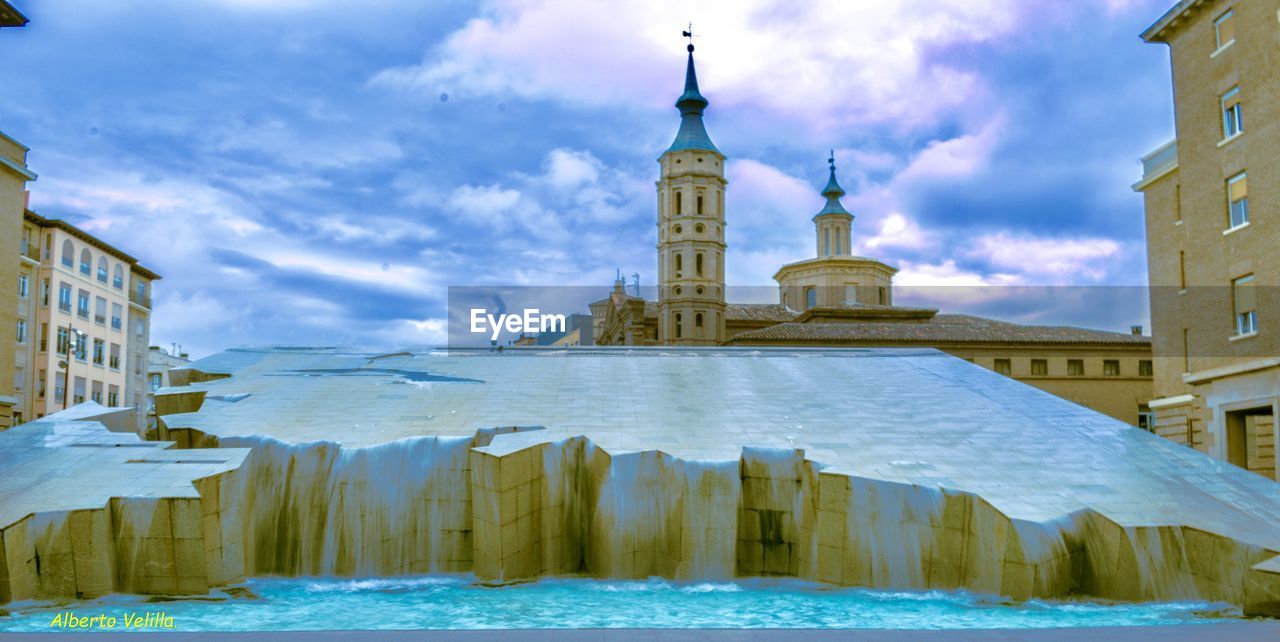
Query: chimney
x: 1135, y: 330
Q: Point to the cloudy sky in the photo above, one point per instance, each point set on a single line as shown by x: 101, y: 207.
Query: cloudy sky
x: 321, y: 171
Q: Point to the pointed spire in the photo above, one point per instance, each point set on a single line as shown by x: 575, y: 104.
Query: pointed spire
x: 833, y: 192
x: 692, y: 133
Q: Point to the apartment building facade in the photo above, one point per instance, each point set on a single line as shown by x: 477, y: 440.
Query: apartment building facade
x: 14, y: 176
x: 1212, y: 197
x: 84, y: 322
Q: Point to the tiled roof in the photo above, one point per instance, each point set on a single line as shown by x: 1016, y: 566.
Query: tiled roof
x: 769, y: 312
x: 943, y: 328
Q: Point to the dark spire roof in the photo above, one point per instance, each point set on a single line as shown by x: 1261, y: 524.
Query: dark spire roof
x: 692, y: 134
x: 833, y: 192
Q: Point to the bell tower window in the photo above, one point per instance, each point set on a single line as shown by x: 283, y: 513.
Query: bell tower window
x: 679, y: 333
x: 697, y: 264
x: 697, y: 325
x: 679, y: 203
x: 679, y: 264
x: 699, y: 203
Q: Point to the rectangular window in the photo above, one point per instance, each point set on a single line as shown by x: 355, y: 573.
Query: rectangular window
x: 24, y: 285
x: 699, y: 202
x: 113, y: 396
x: 117, y: 314
x: 99, y: 352
x: 1225, y: 28
x: 64, y: 297
x: 64, y: 340
x: 1075, y: 367
x: 100, y: 310
x: 1144, y: 368
x: 22, y: 330
x: 80, y: 346
x: 59, y: 389
x: 44, y: 337
x: 44, y: 293
x: 1238, y: 199
x: 1243, y: 295
x: 1111, y: 368
x: 78, y: 395
x: 1232, y: 113
x: 96, y: 395
x: 82, y: 304
x: 40, y: 384
x: 1004, y: 366
x: 114, y: 361
x: 1040, y: 367
x: 155, y: 381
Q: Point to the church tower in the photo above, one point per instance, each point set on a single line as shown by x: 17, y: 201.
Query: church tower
x: 834, y: 224
x: 691, y: 231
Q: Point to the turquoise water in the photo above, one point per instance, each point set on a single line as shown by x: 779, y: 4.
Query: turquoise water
x: 462, y: 603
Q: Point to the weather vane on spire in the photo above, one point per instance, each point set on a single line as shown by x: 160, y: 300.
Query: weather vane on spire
x: 689, y: 34
x: 831, y: 160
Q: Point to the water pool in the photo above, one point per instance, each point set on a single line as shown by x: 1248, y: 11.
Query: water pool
x: 462, y: 603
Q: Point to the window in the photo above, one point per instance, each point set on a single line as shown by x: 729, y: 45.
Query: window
x: 1111, y: 368
x: 679, y: 264
x: 64, y: 341
x: 102, y: 269
x: 117, y: 281
x: 80, y: 346
x: 699, y: 202
x: 96, y: 395
x: 100, y: 311
x: 1004, y: 366
x: 78, y: 396
x: 40, y: 384
x: 24, y: 285
x: 114, y: 361
x: 1144, y: 368
x: 826, y: 242
x: 64, y: 297
x: 679, y: 330
x: 113, y: 396
x: 22, y: 330
x: 44, y: 337
x: 810, y: 298
x: 851, y: 293
x: 82, y: 304
x: 68, y: 254
x: 1238, y: 199
x: 1040, y: 367
x: 1075, y: 367
x: 1232, y: 113
x: 44, y: 293
x: 884, y: 296
x: 697, y: 325
x: 155, y: 381
x: 59, y: 389
x: 679, y: 203
x: 1146, y: 418
x: 99, y: 352
x: 697, y: 264
x: 86, y: 261
x: 1225, y: 28
x: 117, y: 314
x: 1246, y: 315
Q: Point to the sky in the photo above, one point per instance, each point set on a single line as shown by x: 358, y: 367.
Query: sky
x: 320, y: 172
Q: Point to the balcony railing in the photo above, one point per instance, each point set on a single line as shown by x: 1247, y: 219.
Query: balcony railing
x: 115, y: 323
x: 100, y: 319
x: 102, y: 274
x: 140, y: 299
x: 64, y: 306
x: 83, y: 313
x: 86, y: 269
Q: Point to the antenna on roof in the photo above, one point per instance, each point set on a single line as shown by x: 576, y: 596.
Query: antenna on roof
x: 635, y: 277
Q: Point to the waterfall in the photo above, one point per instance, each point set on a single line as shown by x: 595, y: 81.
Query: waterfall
x: 891, y: 532
x: 319, y: 509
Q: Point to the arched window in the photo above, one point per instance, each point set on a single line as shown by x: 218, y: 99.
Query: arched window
x: 68, y: 254
x: 697, y: 264
x: 810, y: 298
x: 86, y: 261
x: 117, y: 280
x: 679, y: 264
x: 679, y: 203
x: 678, y: 329
x: 786, y: 300
x: 697, y: 325
x: 102, y: 269
x: 884, y: 297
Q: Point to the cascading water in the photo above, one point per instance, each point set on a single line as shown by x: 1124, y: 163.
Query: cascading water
x: 319, y: 509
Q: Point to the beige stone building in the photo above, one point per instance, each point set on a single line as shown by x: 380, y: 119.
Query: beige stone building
x: 14, y: 176
x: 84, y: 322
x: 837, y: 298
x: 1211, y: 198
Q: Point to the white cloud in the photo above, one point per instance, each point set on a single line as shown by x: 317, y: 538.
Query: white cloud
x: 849, y: 62
x: 898, y: 231
x: 1056, y: 260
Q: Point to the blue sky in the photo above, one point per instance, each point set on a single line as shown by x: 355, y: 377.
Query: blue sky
x: 320, y: 171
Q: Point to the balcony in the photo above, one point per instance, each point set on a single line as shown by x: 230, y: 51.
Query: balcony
x: 83, y: 313
x: 140, y: 299
x: 64, y: 307
x: 30, y: 251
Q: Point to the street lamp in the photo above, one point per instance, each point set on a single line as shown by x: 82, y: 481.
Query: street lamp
x: 72, y: 346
